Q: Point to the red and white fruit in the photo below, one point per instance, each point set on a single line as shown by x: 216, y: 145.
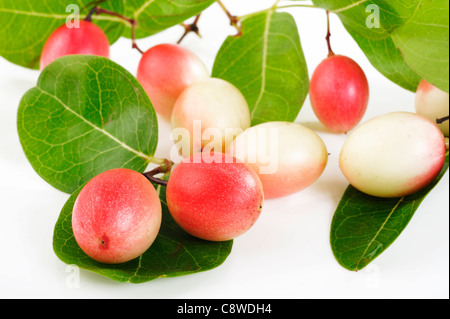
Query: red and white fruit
x: 165, y: 70
x: 87, y: 39
x: 211, y: 113
x: 393, y: 155
x: 287, y: 157
x: 116, y: 216
x: 214, y: 197
x: 433, y: 103
x: 339, y: 93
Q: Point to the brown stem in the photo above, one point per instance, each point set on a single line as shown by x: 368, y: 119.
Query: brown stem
x: 328, y: 37
x: 163, y: 169
x: 188, y: 28
x: 442, y: 119
x: 132, y: 22
x: 234, y: 20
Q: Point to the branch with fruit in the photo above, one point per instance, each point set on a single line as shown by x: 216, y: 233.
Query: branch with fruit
x: 90, y: 128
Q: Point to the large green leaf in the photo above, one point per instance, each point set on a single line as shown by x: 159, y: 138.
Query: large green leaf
x: 365, y: 226
x: 267, y: 65
x: 154, y: 16
x: 424, y: 42
x: 26, y: 25
x: 173, y: 253
x: 374, y: 19
x: 388, y: 60
x: 86, y: 115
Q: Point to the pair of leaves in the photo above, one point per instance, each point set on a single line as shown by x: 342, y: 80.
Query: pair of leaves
x: 267, y: 63
x: 173, y: 253
x: 87, y: 115
x: 405, y: 40
x: 26, y: 25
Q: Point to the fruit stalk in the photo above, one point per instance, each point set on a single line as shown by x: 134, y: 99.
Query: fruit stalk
x: 133, y: 23
x: 165, y: 168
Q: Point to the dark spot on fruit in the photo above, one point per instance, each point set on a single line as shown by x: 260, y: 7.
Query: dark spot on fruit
x: 104, y: 242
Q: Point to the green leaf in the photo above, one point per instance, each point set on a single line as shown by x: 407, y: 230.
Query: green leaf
x: 424, y: 42
x: 173, y: 253
x: 388, y: 60
x: 364, y: 226
x: 267, y: 65
x: 154, y: 16
x: 375, y: 19
x: 86, y: 115
x: 26, y: 25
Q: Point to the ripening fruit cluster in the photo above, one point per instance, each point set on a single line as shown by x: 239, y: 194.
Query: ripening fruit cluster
x: 229, y: 167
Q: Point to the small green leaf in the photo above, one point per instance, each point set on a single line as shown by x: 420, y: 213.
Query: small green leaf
x: 86, y: 115
x: 364, y: 226
x: 154, y: 16
x: 173, y: 253
x: 26, y: 26
x: 388, y: 60
x: 267, y: 65
x: 424, y: 42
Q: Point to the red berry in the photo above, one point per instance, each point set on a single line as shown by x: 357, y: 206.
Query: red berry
x: 88, y: 39
x: 339, y: 93
x: 116, y: 216
x: 165, y: 71
x: 214, y: 200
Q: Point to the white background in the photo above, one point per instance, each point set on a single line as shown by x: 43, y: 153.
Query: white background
x: 285, y: 255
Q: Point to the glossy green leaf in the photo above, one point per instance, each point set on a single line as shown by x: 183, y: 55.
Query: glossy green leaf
x: 388, y: 60
x: 173, y: 253
x: 375, y: 19
x: 26, y: 25
x: 154, y: 16
x: 364, y: 226
x: 267, y: 65
x: 424, y: 42
x: 86, y: 115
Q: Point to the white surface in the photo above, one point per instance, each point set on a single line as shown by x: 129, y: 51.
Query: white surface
x: 285, y: 255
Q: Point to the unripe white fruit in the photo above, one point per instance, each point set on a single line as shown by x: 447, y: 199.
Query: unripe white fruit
x: 287, y: 157
x: 209, y: 114
x: 393, y: 155
x: 433, y: 103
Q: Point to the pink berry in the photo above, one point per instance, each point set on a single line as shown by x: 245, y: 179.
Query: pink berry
x: 339, y: 93
x: 287, y: 157
x: 393, y: 155
x: 214, y: 197
x: 116, y: 216
x: 209, y: 115
x: 165, y: 71
x: 88, y: 39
